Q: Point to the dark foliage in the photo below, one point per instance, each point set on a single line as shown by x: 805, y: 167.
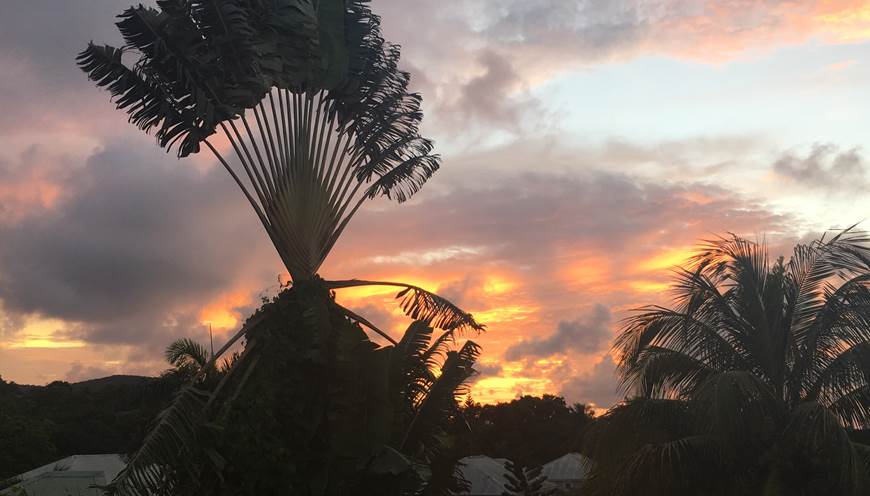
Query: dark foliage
x: 41, y: 424
x: 311, y: 406
x: 529, y: 430
x: 751, y: 382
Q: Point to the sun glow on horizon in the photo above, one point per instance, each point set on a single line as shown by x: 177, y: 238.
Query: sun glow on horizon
x: 39, y: 332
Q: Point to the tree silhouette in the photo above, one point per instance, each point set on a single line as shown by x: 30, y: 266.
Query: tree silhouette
x: 528, y: 430
x: 308, y: 97
x: 525, y: 481
x: 748, y: 383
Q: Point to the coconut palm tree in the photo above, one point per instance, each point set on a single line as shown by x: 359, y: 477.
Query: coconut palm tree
x: 303, y: 104
x: 750, y: 382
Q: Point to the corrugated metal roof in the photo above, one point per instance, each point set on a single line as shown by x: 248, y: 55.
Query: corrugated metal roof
x: 109, y: 464
x: 570, y: 467
x: 77, y: 474
x: 486, y: 476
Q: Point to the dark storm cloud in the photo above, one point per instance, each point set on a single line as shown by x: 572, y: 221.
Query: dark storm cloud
x: 140, y: 234
x: 586, y: 335
x: 825, y: 166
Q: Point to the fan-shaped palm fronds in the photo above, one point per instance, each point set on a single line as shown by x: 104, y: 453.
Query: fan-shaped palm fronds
x: 771, y: 359
x: 307, y: 94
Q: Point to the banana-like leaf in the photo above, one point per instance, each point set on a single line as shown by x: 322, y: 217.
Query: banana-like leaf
x: 170, y: 445
x: 422, y: 305
x: 422, y: 435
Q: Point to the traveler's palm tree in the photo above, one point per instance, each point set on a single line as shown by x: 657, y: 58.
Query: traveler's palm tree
x: 749, y: 383
x: 307, y: 98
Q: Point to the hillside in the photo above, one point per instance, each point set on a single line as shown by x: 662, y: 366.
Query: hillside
x: 39, y: 424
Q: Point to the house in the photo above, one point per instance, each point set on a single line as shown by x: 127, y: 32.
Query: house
x: 486, y: 476
x: 568, y: 471
x: 72, y: 476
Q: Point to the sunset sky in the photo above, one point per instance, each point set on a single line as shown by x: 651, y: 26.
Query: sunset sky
x: 587, y: 147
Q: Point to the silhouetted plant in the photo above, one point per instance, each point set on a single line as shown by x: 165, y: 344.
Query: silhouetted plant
x: 748, y: 384
x: 523, y: 481
x: 309, y: 98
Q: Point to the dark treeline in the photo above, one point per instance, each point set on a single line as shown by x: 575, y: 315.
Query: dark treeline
x: 40, y: 424
x: 529, y: 430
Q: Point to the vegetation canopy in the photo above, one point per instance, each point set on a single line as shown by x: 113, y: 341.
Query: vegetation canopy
x: 749, y: 383
x: 307, y: 98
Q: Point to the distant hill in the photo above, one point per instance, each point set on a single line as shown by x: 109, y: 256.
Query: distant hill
x: 115, y: 381
x: 39, y: 424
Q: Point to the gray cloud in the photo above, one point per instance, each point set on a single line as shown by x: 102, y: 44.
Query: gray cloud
x: 588, y: 334
x: 598, y: 386
x: 136, y: 246
x: 138, y: 243
x: 495, y: 98
x: 39, y: 40
x: 825, y: 166
x: 590, y: 28
x: 487, y: 370
x: 529, y: 219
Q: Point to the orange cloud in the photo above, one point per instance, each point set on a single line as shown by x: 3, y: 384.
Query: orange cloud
x: 844, y: 21
x: 222, y: 313
x: 666, y: 259
x: 41, y: 333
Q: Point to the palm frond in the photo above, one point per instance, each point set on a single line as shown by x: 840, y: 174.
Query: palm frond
x: 772, y: 360
x: 422, y: 305
x: 704, y: 348
x: 168, y: 453
x: 853, y: 407
x: 439, y: 348
x: 440, y: 399
x: 738, y: 409
x: 845, y: 256
x: 847, y: 370
x: 145, y: 99
x: 626, y: 427
x: 171, y: 446
x: 815, y: 435
x: 410, y: 374
x: 308, y: 94
x: 668, y: 468
x: 661, y: 372
x: 185, y: 351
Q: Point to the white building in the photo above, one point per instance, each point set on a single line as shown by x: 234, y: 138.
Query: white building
x: 72, y: 476
x: 486, y: 476
x: 568, y: 471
